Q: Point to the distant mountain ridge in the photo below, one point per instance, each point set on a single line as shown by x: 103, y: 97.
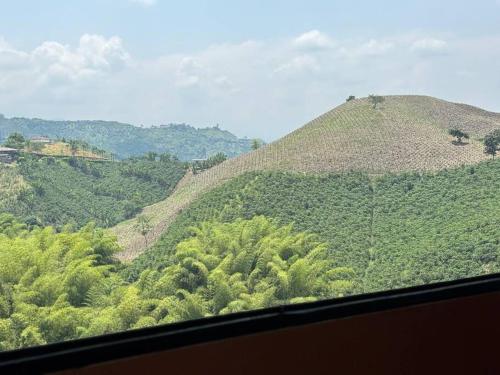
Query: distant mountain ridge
x: 125, y: 140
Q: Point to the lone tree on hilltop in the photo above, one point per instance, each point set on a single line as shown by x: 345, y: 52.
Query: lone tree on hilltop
x: 491, y: 143
x: 143, y: 226
x: 458, y: 134
x: 351, y: 97
x: 376, y: 99
x: 255, y: 144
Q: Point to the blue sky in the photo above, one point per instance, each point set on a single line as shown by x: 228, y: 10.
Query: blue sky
x: 258, y: 68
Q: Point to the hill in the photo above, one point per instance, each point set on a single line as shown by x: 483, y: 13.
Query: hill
x: 57, y: 191
x: 124, y: 140
x: 405, y: 133
x: 395, y: 230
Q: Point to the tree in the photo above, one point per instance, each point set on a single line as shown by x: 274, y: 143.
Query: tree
x: 459, y: 134
x: 144, y: 226
x: 151, y: 156
x: 255, y: 144
x: 15, y: 140
x: 490, y: 145
x: 248, y: 264
x: 351, y: 97
x: 492, y: 142
x: 73, y: 146
x: 375, y: 99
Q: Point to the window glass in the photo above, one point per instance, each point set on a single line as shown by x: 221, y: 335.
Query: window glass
x: 165, y: 161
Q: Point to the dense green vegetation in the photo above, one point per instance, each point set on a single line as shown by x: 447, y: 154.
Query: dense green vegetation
x: 15, y: 140
x: 405, y: 133
x: 75, y: 191
x: 246, y: 234
x: 61, y: 286
x: 124, y: 140
x: 263, y: 239
x: 393, y: 230
x: 429, y: 228
x: 337, y: 207
x: 212, y: 161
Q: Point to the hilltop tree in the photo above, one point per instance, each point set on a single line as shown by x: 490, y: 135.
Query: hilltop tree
x: 255, y: 144
x: 351, y: 97
x: 458, y: 134
x: 492, y: 142
x: 15, y: 140
x: 144, y: 226
x: 376, y: 99
x: 151, y: 156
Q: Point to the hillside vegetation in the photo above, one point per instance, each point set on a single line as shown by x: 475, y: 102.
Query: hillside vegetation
x: 63, y: 286
x: 368, y: 197
x: 124, y: 140
x: 52, y: 191
x: 263, y: 239
x: 392, y: 230
x: 404, y: 133
x: 12, y: 184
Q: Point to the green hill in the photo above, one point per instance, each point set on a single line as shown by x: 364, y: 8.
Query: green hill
x: 124, y: 140
x: 58, y: 191
x: 405, y: 133
x: 394, y: 230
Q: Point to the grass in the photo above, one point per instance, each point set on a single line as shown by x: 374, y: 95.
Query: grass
x: 405, y: 133
x: 64, y: 149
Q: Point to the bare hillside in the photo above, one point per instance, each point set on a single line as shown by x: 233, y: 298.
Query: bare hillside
x: 405, y: 133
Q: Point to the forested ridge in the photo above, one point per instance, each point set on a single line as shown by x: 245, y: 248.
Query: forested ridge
x: 55, y: 191
x: 124, y: 140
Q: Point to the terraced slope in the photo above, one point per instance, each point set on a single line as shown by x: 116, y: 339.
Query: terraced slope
x: 405, y: 133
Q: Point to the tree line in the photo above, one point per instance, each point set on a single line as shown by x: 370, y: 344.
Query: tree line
x: 57, y: 286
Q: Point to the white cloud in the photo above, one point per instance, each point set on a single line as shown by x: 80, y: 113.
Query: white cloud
x: 10, y: 59
x: 299, y: 64
x: 146, y: 3
x: 253, y: 88
x: 369, y: 48
x: 93, y: 55
x: 3, y: 44
x: 428, y: 44
x: 313, y: 39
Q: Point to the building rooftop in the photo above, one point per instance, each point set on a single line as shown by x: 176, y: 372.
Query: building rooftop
x: 7, y: 149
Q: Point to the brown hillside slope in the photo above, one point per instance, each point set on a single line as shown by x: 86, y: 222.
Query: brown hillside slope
x: 404, y: 133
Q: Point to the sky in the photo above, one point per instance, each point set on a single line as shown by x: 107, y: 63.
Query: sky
x: 257, y: 68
